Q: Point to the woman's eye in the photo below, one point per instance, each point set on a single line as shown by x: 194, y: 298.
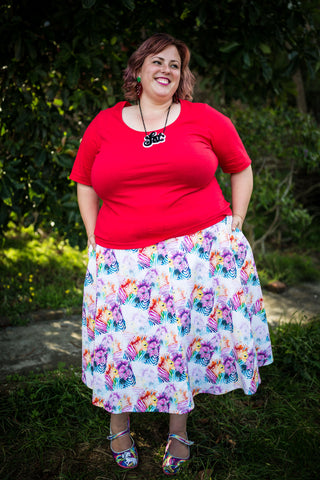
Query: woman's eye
x: 174, y: 65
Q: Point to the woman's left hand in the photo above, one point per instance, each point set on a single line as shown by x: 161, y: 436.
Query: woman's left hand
x: 237, y: 222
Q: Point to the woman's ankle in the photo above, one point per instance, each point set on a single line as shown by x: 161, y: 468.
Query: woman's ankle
x: 119, y: 422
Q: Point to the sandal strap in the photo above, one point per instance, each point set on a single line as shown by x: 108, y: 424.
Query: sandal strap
x: 180, y: 439
x: 113, y: 436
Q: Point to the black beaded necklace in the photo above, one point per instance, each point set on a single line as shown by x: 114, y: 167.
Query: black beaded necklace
x: 153, y: 137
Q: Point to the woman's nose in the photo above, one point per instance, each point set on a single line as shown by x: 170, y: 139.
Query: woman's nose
x: 165, y: 67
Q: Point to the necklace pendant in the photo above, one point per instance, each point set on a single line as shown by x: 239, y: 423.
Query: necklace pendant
x: 153, y: 138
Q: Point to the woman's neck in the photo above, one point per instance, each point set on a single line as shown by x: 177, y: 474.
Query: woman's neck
x: 151, y: 108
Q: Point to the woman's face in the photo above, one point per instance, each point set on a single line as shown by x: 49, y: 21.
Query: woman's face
x: 160, y: 74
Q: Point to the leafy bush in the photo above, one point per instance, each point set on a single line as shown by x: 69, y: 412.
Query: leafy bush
x: 290, y: 268
x: 284, y: 146
x: 55, y: 79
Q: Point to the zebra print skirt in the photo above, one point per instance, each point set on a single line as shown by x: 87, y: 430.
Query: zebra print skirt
x: 164, y: 323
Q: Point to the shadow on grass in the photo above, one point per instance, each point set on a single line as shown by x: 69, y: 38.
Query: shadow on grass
x: 50, y: 430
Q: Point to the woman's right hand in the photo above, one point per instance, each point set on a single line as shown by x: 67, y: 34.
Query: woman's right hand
x: 92, y: 241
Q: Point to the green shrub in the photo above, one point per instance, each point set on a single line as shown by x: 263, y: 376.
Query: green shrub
x: 290, y: 268
x: 284, y: 146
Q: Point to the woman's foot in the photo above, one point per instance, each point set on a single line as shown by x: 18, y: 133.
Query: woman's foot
x: 119, y: 423
x: 172, y: 463
x: 122, y: 445
x: 178, y: 449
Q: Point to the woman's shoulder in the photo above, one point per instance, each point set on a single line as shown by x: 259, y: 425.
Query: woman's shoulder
x: 203, y: 109
x: 114, y: 110
x: 107, y: 115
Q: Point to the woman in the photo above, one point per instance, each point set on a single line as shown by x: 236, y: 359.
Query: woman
x: 172, y: 302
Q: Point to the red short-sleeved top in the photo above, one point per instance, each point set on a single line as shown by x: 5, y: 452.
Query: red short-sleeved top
x: 164, y: 191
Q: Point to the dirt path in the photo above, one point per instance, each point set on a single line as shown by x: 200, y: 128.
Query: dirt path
x: 47, y: 343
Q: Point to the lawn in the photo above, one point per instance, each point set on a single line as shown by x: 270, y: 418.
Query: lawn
x: 50, y: 430
x: 38, y: 271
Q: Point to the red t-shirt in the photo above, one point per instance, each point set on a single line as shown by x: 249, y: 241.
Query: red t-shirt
x: 164, y: 191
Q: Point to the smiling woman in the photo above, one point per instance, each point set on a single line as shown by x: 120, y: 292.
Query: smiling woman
x: 172, y: 301
x: 160, y: 75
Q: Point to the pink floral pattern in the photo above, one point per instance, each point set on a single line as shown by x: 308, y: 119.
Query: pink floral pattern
x: 164, y: 323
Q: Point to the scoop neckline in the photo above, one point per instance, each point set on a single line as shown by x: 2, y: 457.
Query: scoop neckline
x: 126, y: 103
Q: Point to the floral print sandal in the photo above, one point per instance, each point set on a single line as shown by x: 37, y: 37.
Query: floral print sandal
x: 127, y: 458
x: 170, y: 464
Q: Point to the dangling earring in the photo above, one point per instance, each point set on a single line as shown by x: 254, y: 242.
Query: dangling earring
x: 139, y: 87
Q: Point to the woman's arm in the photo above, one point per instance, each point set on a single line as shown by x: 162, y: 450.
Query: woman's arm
x: 88, y: 202
x: 241, y: 188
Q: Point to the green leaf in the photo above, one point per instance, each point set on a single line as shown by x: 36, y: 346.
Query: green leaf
x: 229, y: 48
x: 185, y: 13
x: 247, y: 59
x: 130, y: 4
x: 88, y: 3
x: 200, y: 59
x: 265, y: 48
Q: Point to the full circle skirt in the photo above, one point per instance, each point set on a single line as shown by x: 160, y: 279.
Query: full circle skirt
x: 164, y: 323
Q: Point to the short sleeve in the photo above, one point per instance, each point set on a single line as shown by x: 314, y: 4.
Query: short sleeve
x: 88, y: 149
x: 226, y: 142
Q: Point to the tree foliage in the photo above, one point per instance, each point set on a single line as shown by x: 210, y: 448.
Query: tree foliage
x: 62, y: 62
x: 285, y: 147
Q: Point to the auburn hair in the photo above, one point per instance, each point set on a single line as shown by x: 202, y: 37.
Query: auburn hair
x: 153, y: 45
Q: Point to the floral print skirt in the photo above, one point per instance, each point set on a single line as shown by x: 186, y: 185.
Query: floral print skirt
x: 164, y: 323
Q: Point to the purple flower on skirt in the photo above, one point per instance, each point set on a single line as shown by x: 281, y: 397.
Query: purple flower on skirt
x: 116, y: 314
x: 111, y: 265
x: 153, y: 347
x: 229, y: 365
x: 250, y: 360
x: 179, y: 262
x: 142, y: 298
x: 263, y: 357
x: 100, y: 355
x: 241, y: 254
x: 228, y: 261
x: 163, y: 403
x: 226, y: 317
x: 206, y: 245
x: 205, y: 304
x: 109, y: 257
x: 207, y: 299
x: 111, y: 404
x: 178, y: 363
x: 206, y: 352
x: 162, y: 253
x: 184, y: 318
x: 180, y: 266
x: 185, y: 321
x: 124, y: 370
x: 143, y: 292
x: 170, y: 306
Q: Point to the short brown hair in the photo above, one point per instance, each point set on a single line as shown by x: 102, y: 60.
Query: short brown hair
x: 153, y: 45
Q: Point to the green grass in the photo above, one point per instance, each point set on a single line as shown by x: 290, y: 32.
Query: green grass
x: 50, y: 430
x: 38, y: 272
